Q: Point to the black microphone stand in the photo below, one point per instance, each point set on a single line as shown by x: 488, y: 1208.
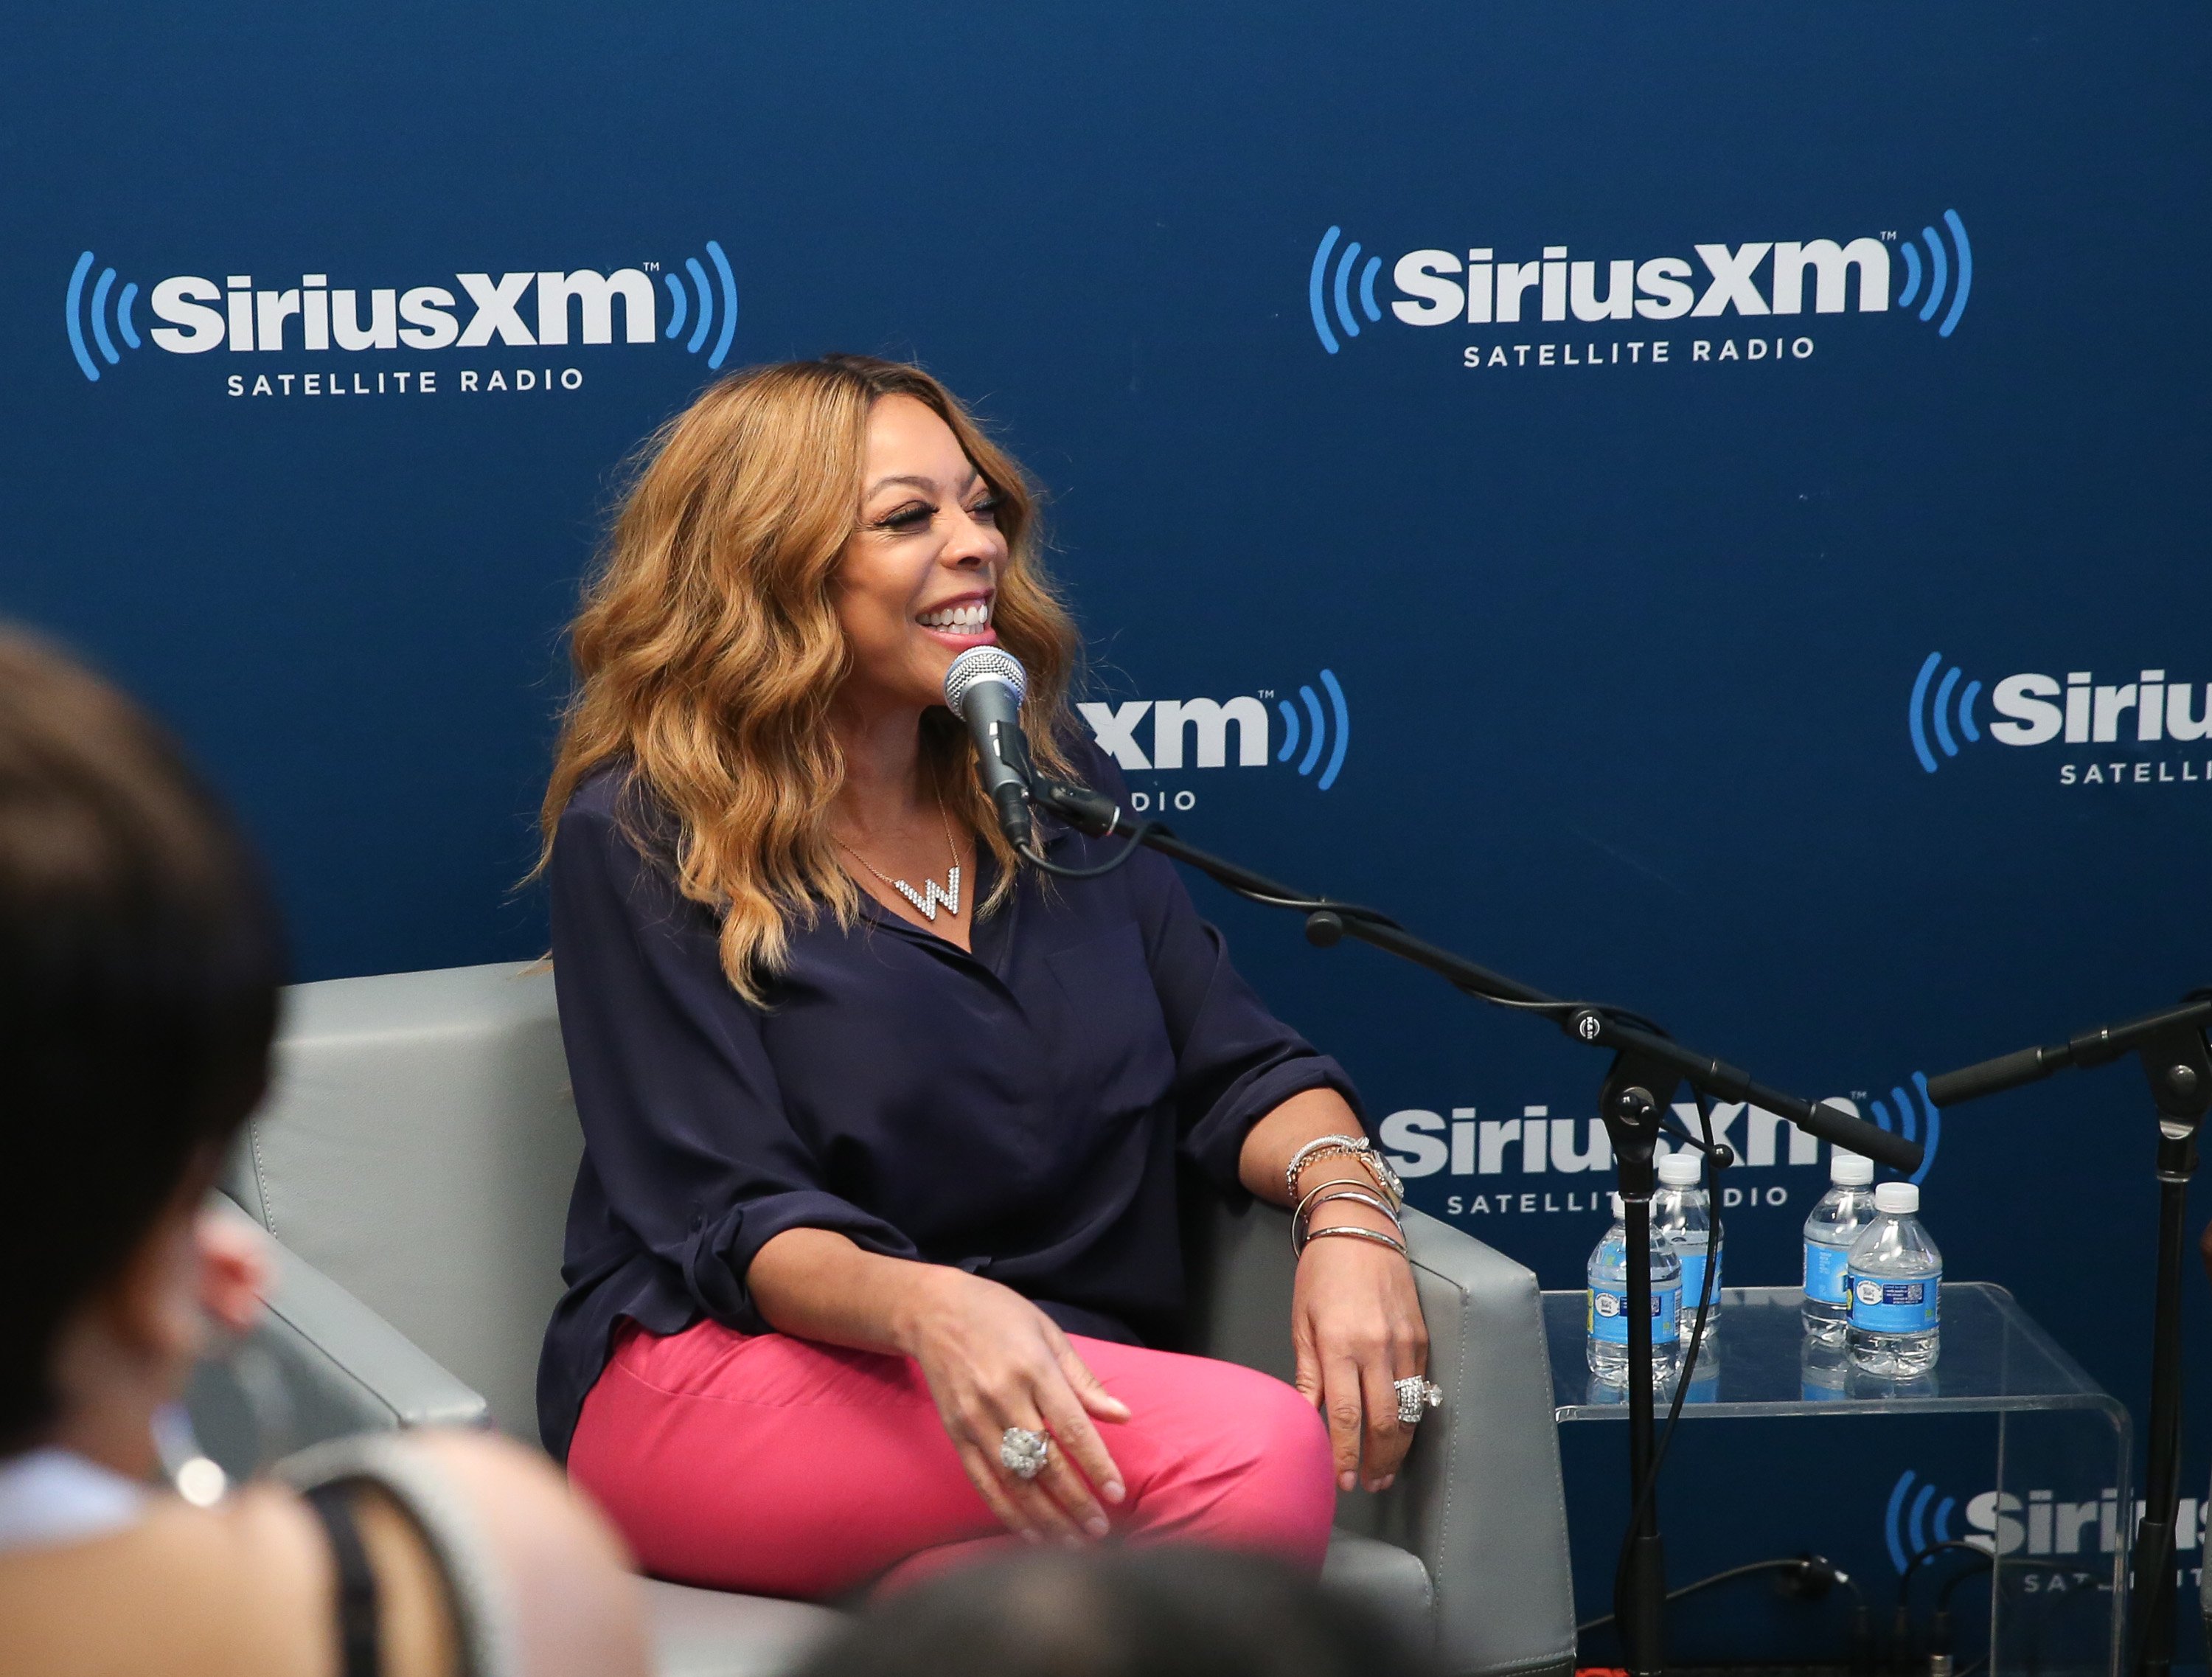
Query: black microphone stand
x: 2172, y: 1049
x: 1647, y: 1068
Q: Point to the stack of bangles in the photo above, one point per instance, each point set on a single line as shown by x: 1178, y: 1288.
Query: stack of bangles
x: 1376, y: 1186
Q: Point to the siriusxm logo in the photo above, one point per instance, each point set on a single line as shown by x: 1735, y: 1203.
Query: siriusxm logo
x: 1422, y: 1142
x: 2036, y: 1523
x: 1441, y: 288
x: 529, y: 309
x: 1194, y: 732
x: 2038, y: 709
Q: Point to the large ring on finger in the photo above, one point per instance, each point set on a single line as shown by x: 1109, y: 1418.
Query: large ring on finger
x: 1023, y: 1452
x: 1415, y: 1397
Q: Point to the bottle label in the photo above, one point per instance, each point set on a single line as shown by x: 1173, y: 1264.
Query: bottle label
x: 1825, y: 1279
x: 1693, y: 1279
x: 1607, y: 1316
x: 1880, y: 1306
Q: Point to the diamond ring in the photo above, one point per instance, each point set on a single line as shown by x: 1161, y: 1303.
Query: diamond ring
x: 1023, y: 1452
x: 1415, y: 1395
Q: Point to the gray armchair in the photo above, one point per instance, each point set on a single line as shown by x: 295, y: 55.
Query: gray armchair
x: 414, y: 1166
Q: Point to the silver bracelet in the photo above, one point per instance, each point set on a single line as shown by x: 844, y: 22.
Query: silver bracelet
x: 1362, y: 1153
x: 1299, y: 1211
x: 1348, y: 1229
x: 1298, y: 1158
x: 1299, y: 1208
x: 1302, y: 1219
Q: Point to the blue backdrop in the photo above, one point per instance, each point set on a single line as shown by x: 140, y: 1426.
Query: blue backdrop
x: 1620, y: 583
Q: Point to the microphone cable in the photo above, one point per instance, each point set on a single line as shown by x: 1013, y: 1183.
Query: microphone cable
x: 1037, y: 859
x: 1810, y: 1578
x: 1053, y: 791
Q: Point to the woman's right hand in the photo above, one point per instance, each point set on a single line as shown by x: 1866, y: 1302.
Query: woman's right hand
x: 993, y: 1360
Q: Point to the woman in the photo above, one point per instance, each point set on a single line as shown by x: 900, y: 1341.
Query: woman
x: 875, y: 1216
x: 138, y: 983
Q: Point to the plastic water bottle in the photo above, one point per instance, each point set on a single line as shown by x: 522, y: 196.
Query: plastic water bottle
x: 1682, y: 1220
x: 1834, y: 1225
x: 1606, y: 1310
x: 1895, y: 1275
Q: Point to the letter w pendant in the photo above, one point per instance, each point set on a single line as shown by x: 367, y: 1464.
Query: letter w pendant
x: 929, y: 896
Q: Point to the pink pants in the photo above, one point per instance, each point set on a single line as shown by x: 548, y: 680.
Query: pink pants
x: 778, y: 1466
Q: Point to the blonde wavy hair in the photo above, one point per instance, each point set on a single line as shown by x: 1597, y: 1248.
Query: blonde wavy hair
x: 707, y: 652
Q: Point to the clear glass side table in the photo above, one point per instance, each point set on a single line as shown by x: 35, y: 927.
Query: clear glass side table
x: 2006, y: 1445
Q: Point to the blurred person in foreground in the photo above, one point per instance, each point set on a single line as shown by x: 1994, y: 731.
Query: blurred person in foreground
x: 1166, y: 1612
x: 140, y: 961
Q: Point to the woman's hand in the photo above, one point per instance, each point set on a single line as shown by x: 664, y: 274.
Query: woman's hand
x: 1355, y: 1318
x: 1355, y: 1323
x: 993, y: 1360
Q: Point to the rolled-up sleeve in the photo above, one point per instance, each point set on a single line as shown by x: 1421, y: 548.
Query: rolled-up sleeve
x: 1235, y: 1060
x: 684, y: 1128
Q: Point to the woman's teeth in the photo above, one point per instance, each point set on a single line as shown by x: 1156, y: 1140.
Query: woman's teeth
x: 958, y: 618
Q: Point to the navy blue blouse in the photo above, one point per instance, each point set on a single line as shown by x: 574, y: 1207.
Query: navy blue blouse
x: 1017, y: 1111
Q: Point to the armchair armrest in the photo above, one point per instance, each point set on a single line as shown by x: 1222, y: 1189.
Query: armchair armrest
x: 1480, y: 1500
x: 339, y: 1367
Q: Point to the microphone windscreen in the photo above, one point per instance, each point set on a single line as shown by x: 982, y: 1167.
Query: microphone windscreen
x: 977, y: 666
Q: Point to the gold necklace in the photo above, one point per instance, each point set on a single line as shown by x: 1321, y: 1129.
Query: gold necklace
x: 930, y: 895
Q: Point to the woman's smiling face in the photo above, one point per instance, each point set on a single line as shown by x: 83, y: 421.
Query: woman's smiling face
x: 917, y: 581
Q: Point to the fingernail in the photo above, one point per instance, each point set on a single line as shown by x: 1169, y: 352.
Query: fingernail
x: 1096, y: 1525
x: 1072, y: 1541
x: 1347, y: 1481
x: 1030, y: 1535
x: 1386, y: 1481
x: 1114, y: 1491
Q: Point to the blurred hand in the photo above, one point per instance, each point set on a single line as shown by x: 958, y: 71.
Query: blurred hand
x: 235, y: 1272
x: 993, y: 1360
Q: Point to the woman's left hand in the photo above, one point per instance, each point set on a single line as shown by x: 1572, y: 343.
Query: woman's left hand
x: 1356, y: 1322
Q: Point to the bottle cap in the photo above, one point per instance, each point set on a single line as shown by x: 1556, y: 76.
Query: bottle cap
x: 1620, y: 1210
x: 1682, y: 1170
x: 1897, y: 1198
x: 1848, y: 1169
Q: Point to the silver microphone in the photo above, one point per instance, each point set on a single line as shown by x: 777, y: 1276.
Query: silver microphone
x: 984, y: 689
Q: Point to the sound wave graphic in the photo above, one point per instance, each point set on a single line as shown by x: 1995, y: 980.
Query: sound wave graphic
x: 1912, y: 1533
x: 1341, y: 295
x: 1922, y: 1123
x: 681, y: 309
x: 1316, y: 730
x: 80, y: 314
x: 1922, y: 712
x: 1939, y: 272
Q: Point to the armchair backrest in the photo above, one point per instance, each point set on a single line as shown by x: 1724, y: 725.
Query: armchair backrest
x: 418, y: 1148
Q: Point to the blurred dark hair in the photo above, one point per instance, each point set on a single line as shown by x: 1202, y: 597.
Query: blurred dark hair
x: 1119, y: 1612
x: 140, y: 960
